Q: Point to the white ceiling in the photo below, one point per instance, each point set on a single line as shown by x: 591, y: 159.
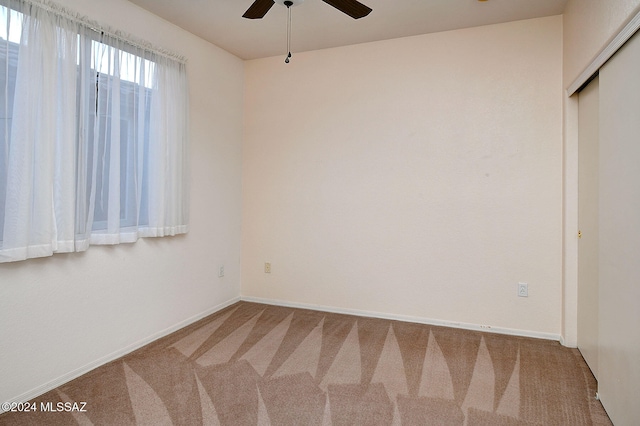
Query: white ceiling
x: 317, y: 25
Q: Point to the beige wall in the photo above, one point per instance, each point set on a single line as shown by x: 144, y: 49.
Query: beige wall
x: 61, y: 314
x: 418, y: 177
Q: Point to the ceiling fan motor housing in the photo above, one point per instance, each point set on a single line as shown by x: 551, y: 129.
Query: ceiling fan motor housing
x: 353, y: 8
x: 291, y: 2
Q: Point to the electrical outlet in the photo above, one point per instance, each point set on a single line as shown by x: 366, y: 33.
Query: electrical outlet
x: 267, y: 267
x: 523, y: 289
x: 221, y: 271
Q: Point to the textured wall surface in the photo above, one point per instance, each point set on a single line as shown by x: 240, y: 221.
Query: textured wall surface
x: 418, y: 177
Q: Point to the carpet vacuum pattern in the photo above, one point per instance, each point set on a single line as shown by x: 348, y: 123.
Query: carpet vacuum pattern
x: 254, y: 364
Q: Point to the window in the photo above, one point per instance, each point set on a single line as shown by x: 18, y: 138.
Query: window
x: 93, y: 136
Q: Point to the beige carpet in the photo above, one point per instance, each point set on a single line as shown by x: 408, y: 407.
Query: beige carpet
x: 253, y: 364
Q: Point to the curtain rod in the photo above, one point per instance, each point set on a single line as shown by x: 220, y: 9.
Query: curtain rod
x: 67, y: 13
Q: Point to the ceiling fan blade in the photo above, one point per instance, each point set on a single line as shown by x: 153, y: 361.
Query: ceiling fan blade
x: 352, y: 8
x: 258, y: 9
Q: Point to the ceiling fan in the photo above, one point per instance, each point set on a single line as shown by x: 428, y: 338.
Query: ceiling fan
x: 353, y: 8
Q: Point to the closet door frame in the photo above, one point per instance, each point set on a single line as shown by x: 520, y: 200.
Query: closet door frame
x: 618, y: 340
x: 588, y: 201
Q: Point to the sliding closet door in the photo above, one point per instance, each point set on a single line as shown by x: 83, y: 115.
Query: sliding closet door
x: 588, y: 224
x: 619, y: 245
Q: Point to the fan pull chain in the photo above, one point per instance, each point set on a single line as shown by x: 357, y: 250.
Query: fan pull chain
x: 288, y: 4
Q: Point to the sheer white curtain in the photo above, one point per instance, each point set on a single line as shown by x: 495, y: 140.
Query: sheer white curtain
x: 94, y: 144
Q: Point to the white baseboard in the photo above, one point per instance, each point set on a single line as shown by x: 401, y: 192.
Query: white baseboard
x: 407, y: 318
x: 35, y: 392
